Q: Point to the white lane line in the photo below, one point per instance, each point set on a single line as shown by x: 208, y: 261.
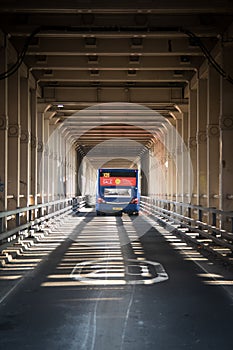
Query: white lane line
x: 95, y: 314
x: 95, y: 321
x: 11, y: 290
x: 127, y: 317
x: 84, y: 343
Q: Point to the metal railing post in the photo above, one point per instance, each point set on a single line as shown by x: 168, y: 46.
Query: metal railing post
x: 74, y: 204
x: 30, y: 215
x: 199, y: 214
x: 40, y: 212
x: 190, y: 215
x: 17, y: 219
x: 214, y: 219
x: 1, y: 225
x: 200, y: 217
x: 169, y: 207
x: 174, y: 210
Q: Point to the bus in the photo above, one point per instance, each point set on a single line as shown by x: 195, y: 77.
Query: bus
x: 117, y: 191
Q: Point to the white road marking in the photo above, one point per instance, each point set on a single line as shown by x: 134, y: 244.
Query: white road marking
x: 100, y: 275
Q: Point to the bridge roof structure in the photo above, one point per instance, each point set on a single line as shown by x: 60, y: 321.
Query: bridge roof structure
x: 85, y: 53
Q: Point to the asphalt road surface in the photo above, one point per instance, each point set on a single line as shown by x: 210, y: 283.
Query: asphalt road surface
x: 105, y: 283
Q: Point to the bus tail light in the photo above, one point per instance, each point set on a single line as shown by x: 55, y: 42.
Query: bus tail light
x: 100, y: 200
x: 134, y: 201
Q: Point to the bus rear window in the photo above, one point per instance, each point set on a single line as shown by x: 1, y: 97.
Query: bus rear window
x: 117, y: 192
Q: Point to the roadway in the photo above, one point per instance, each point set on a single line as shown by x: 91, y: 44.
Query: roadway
x: 108, y: 282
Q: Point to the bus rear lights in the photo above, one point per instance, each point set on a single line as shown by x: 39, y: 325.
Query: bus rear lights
x: 134, y: 201
x: 101, y: 200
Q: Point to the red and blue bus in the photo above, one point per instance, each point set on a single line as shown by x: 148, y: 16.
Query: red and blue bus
x: 117, y: 191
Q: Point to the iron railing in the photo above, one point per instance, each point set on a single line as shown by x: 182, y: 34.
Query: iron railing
x: 21, y: 220
x: 203, y: 226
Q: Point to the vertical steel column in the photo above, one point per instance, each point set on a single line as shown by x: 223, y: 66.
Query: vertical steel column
x: 150, y: 174
x: 14, y: 130
x: 156, y: 173
x: 63, y: 165
x: 172, y: 159
x: 34, y: 146
x: 25, y: 159
x: 213, y: 135
x: 226, y: 134
x: 55, y: 168
x: 52, y: 164
x: 68, y: 159
x: 169, y: 163
x: 79, y: 164
x: 3, y: 132
x: 166, y: 162
x: 192, y: 131
x: 46, y: 159
x: 59, y: 152
x: 185, y: 157
x: 56, y: 163
x: 201, y: 142
x: 179, y: 162
x: 73, y: 173
x: 40, y: 158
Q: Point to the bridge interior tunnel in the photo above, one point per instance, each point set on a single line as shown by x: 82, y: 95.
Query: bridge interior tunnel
x: 104, y: 141
x: 146, y: 140
x: 107, y: 87
x: 91, y: 84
